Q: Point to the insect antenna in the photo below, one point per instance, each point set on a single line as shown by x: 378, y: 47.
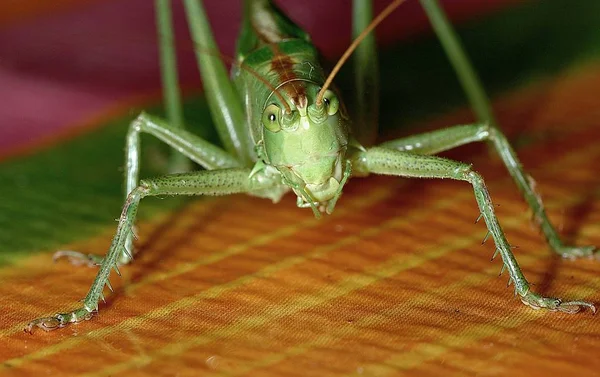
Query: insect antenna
x: 376, y: 21
x: 245, y: 67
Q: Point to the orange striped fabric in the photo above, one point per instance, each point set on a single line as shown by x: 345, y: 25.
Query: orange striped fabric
x: 396, y: 282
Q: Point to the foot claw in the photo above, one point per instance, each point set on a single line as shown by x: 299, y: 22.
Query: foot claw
x: 78, y: 259
x: 536, y: 301
x: 59, y: 320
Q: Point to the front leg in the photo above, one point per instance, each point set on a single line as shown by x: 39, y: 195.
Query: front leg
x: 391, y: 162
x: 214, y: 182
x: 452, y: 137
x: 184, y: 142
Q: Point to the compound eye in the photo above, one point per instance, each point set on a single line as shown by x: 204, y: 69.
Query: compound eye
x: 271, y: 118
x: 331, y: 102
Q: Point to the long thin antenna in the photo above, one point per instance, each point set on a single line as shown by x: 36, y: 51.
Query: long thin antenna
x: 245, y: 67
x: 268, y: 85
x: 376, y: 21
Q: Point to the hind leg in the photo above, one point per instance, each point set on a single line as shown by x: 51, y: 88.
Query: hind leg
x: 448, y: 138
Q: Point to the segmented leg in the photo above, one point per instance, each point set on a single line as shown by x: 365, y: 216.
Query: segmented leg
x: 434, y: 142
x: 382, y: 160
x: 467, y: 76
x: 170, y: 83
x: 213, y: 182
x: 481, y: 105
x: 442, y: 140
x: 189, y: 145
x: 225, y: 107
x: 366, y: 76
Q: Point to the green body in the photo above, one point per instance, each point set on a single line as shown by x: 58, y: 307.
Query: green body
x: 278, y: 69
x: 277, y: 138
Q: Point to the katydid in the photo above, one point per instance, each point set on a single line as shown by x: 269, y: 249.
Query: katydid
x: 284, y: 128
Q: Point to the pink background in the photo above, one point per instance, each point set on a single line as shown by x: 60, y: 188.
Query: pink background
x: 59, y: 70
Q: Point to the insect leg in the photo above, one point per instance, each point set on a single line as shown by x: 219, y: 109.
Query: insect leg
x: 366, y: 72
x: 223, y: 101
x: 480, y: 103
x: 189, y: 145
x: 211, y: 182
x: 441, y: 140
x: 459, y: 60
x: 168, y: 73
x: 386, y: 161
x: 437, y: 141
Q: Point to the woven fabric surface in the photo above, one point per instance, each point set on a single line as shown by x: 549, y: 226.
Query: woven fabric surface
x: 395, y: 282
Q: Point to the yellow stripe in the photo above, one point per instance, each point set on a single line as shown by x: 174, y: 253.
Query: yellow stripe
x: 373, y: 275
x: 354, y: 282
x: 364, y: 201
x: 210, y: 293
x: 335, y: 335
x: 361, y: 202
x: 429, y: 352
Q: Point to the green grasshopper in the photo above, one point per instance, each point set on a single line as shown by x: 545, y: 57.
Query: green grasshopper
x: 283, y: 129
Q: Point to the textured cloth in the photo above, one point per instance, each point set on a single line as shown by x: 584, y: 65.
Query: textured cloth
x: 395, y: 282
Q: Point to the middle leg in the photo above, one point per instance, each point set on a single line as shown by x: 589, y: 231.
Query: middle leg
x: 390, y: 162
x: 452, y: 137
x: 184, y: 142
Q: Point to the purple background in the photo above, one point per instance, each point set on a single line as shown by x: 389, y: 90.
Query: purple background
x: 59, y: 70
